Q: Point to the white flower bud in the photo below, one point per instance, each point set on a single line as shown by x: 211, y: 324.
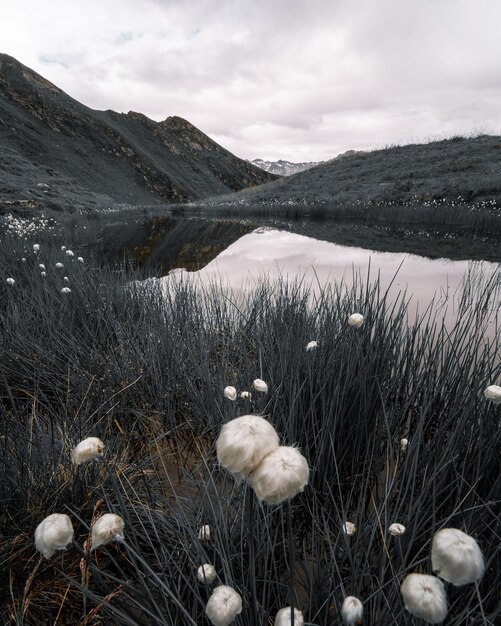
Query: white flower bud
x: 109, y: 527
x: 352, y: 610
x: 493, y: 392
x: 397, y: 530
x: 204, y: 533
x: 456, y: 557
x: 349, y: 529
x: 281, y: 475
x: 244, y: 442
x: 245, y: 395
x: 55, y: 532
x: 10, y: 281
x: 356, y: 320
x: 403, y: 444
x: 424, y: 596
x: 283, y: 617
x: 70, y: 253
x: 260, y: 385
x: 206, y: 573
x: 311, y: 345
x: 65, y: 290
x: 223, y: 606
x: 230, y: 393
x: 87, y: 449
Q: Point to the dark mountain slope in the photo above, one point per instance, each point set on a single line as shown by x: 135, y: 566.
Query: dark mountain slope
x: 469, y: 168
x: 126, y: 156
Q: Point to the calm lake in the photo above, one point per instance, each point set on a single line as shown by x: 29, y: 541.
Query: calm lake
x: 270, y: 253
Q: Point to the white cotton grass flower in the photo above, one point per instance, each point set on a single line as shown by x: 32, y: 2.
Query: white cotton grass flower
x: 87, y: 449
x: 493, y: 392
x: 352, y: 610
x: 397, y: 530
x: 10, y: 281
x: 206, y: 573
x: 70, y: 253
x: 230, y: 393
x: 63, y: 248
x: 41, y: 266
x: 403, y: 444
x: 204, y: 532
x: 80, y: 259
x: 244, y: 442
x: 59, y: 266
x: 280, y: 476
x: 424, y: 596
x: 283, y: 617
x: 456, y: 557
x: 36, y: 247
x: 109, y: 527
x: 260, y: 385
x: 349, y: 528
x: 311, y: 345
x: 356, y: 320
x: 246, y: 395
x: 55, y: 532
x: 23, y: 260
x: 223, y: 606
x: 66, y: 279
x: 65, y: 290
x: 43, y: 274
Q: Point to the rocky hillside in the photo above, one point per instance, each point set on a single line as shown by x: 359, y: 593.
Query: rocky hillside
x: 84, y: 157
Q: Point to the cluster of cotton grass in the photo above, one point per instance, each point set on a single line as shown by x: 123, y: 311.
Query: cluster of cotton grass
x: 456, y: 558
x: 56, y: 532
x: 231, y: 392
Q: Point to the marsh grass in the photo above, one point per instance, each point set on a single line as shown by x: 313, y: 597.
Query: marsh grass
x: 145, y: 370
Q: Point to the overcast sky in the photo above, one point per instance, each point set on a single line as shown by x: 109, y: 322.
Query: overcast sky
x: 294, y: 79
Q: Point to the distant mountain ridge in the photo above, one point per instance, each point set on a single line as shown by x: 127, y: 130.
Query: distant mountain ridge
x: 108, y: 156
x: 283, y: 168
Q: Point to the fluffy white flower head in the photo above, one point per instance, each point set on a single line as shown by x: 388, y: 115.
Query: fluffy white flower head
x: 456, y: 557
x: 41, y: 266
x: 80, y: 259
x: 424, y: 596
x: 311, y: 345
x: 36, y: 247
x: 55, y: 532
x: 356, y: 320
x: 59, y: 265
x: 10, y: 281
x: 349, y: 528
x: 283, y: 617
x: 204, y: 533
x: 245, y: 395
x: 206, y: 573
x: 43, y: 274
x: 109, y: 527
x: 65, y: 290
x: 63, y: 248
x: 66, y: 279
x: 352, y: 610
x: 397, y: 530
x: 493, y: 392
x: 403, y: 444
x: 281, y: 475
x: 70, y: 253
x: 244, y: 442
x: 230, y: 393
x: 223, y: 606
x: 87, y: 449
x: 23, y: 260
x: 260, y: 385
